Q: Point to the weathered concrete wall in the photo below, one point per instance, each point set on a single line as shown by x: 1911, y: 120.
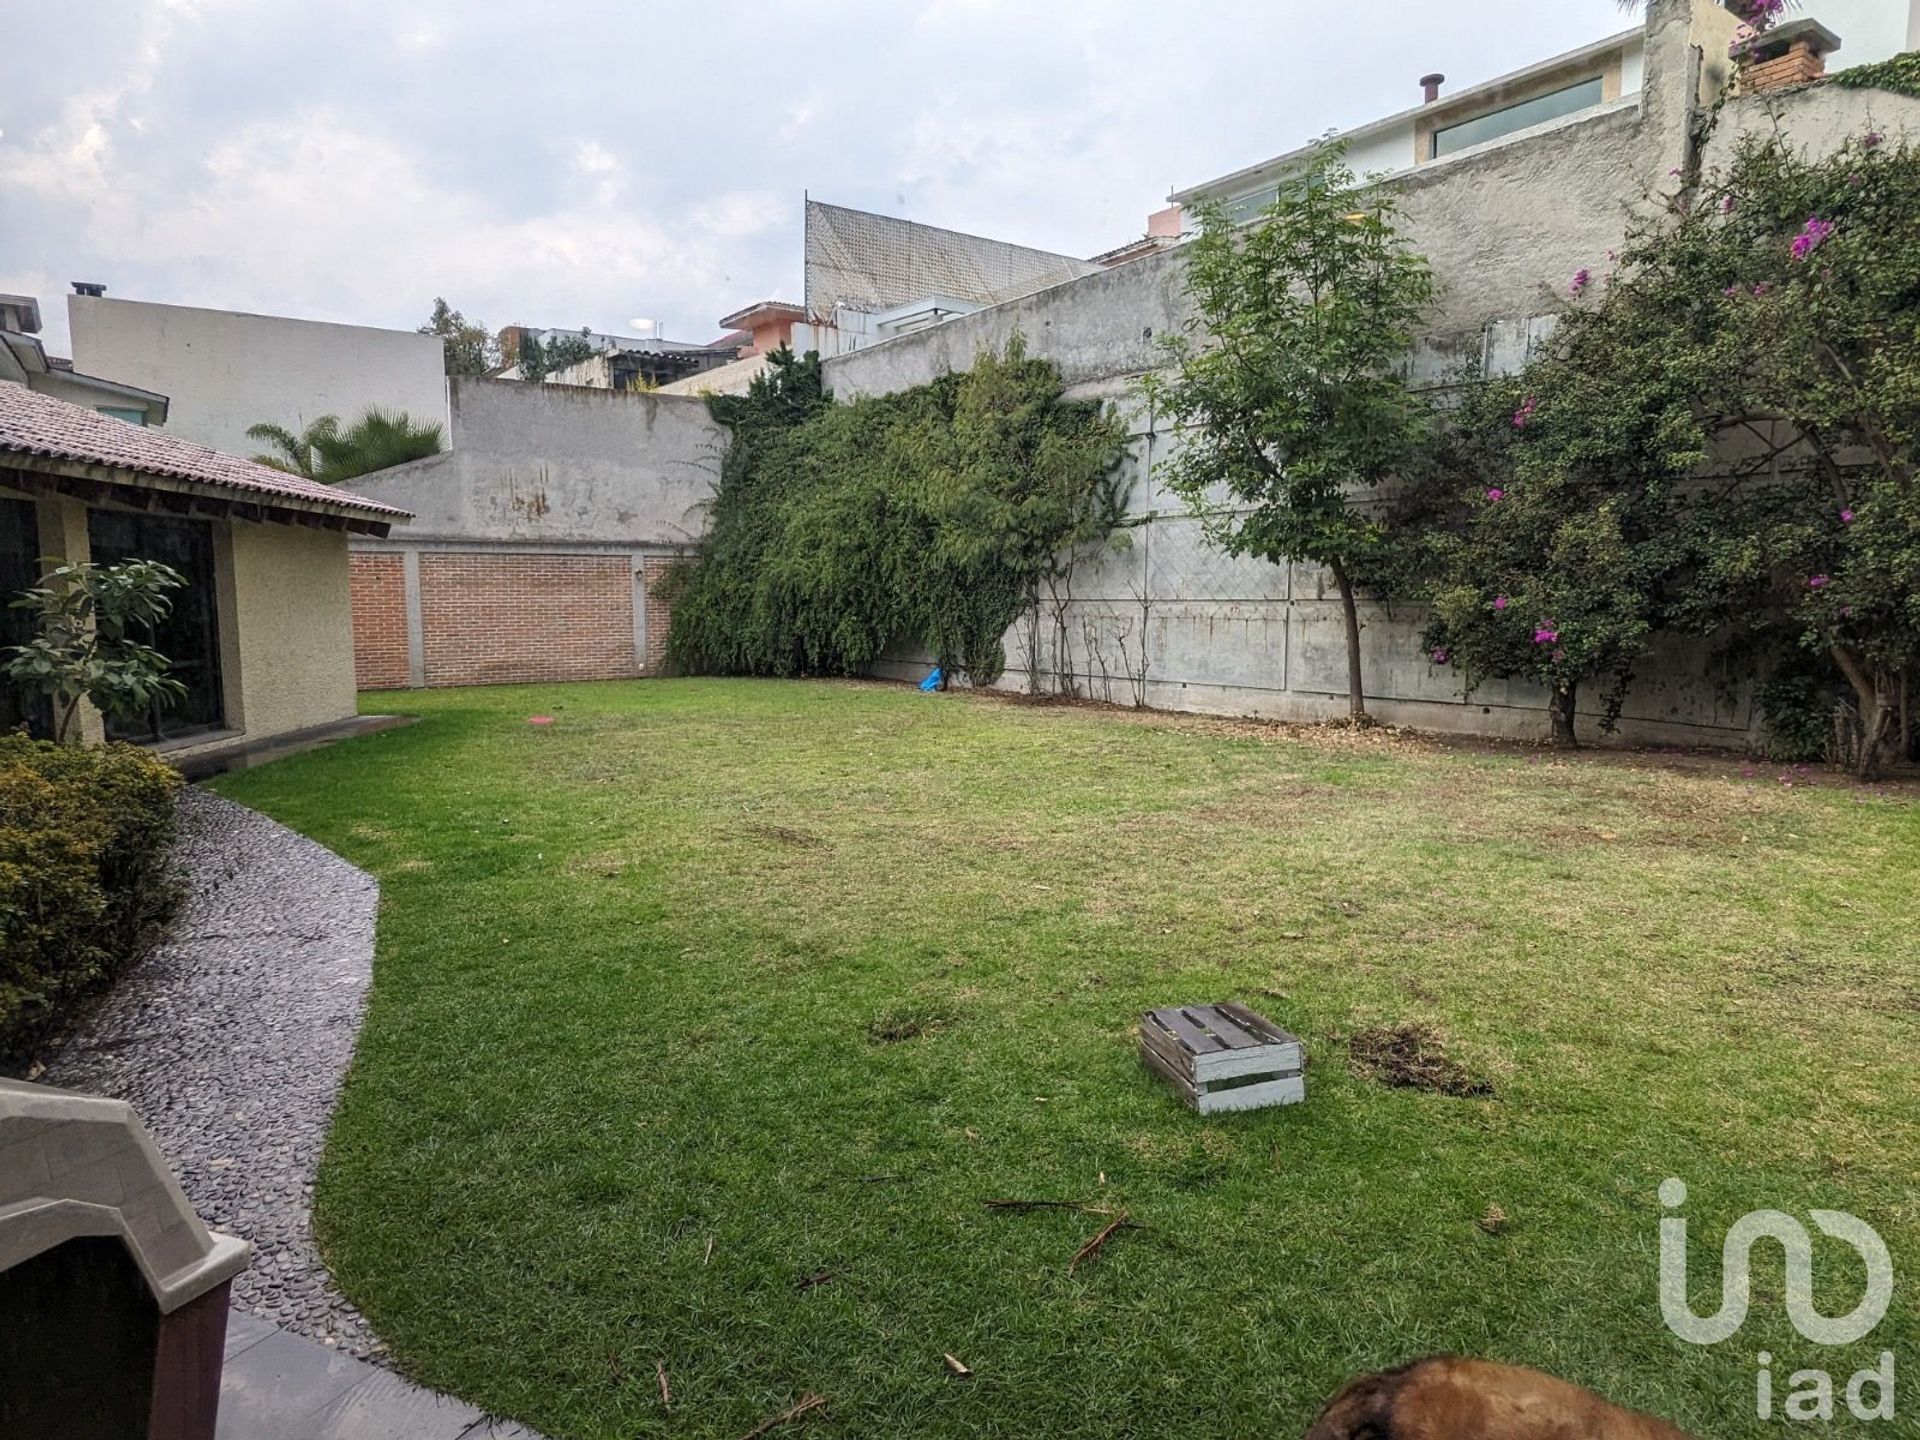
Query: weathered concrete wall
x: 224, y: 371
x: 537, y: 538
x: 542, y: 464
x: 1171, y: 622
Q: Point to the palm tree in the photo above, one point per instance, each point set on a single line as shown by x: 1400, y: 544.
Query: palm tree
x: 294, y: 453
x: 378, y: 440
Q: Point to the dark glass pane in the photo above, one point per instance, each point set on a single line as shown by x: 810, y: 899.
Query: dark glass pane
x: 1526, y: 114
x: 190, y: 636
x: 19, y: 570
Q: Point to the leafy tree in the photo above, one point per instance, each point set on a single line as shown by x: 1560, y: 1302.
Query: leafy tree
x: 1291, y: 379
x: 538, y: 361
x: 928, y: 514
x: 323, y: 451
x: 470, y: 347
x: 87, y: 617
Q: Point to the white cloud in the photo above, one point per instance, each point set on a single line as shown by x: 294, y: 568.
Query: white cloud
x: 581, y: 165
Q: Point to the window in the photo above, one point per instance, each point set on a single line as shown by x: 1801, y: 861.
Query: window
x: 1251, y: 207
x: 190, y: 636
x: 19, y: 570
x: 1537, y: 111
x: 133, y: 415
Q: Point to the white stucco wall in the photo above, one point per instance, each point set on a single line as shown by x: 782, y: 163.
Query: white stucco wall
x: 224, y: 371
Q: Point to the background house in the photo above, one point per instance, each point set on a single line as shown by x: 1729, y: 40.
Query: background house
x: 223, y: 371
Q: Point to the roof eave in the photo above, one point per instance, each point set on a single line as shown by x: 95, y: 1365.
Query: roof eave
x: 79, y: 477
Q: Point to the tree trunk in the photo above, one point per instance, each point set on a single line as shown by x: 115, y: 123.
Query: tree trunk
x: 1356, y: 684
x: 1879, y: 710
x: 1562, y: 708
x: 1033, y: 638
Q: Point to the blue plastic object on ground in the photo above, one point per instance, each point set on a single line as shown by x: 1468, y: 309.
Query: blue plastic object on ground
x: 933, y: 682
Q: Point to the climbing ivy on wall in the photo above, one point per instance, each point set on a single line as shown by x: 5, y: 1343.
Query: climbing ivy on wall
x: 931, y: 516
x: 1899, y: 75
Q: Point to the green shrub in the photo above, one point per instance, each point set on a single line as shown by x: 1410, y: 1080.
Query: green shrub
x: 83, y: 878
x: 935, y: 515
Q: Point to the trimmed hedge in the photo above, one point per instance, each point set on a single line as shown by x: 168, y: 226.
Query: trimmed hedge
x: 84, y: 887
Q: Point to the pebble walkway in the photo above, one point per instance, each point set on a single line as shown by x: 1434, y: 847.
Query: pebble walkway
x: 231, y: 1039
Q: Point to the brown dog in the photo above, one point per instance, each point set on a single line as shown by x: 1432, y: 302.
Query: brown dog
x: 1445, y: 1397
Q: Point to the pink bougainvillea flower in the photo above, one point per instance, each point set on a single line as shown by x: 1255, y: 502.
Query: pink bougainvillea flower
x: 1815, y: 233
x: 1500, y: 602
x: 1546, y: 635
x: 1763, y: 287
x: 1819, y: 582
x: 1582, y: 278
x: 1525, y: 413
x: 1496, y: 495
x: 1846, y: 517
x: 1726, y: 204
x: 1872, y: 139
x: 1440, y: 655
x: 1733, y: 292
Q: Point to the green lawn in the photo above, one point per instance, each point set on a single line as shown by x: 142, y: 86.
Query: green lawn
x: 620, y: 1092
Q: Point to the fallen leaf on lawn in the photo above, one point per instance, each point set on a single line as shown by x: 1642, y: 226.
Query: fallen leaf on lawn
x: 960, y: 1371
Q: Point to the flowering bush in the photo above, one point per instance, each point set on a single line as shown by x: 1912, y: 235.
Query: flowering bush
x: 1726, y: 444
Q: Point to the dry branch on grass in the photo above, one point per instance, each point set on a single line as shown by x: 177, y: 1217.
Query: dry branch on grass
x: 1024, y: 1206
x: 1092, y: 1247
x: 774, y: 1422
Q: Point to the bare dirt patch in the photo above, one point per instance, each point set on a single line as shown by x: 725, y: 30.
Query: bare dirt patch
x: 1413, y: 1056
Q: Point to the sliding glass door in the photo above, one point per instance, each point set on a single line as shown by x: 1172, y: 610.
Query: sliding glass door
x: 190, y: 636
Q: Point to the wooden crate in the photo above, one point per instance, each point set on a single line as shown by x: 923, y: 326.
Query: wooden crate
x: 1224, y: 1057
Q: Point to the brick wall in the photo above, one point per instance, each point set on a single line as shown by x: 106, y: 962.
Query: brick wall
x: 659, y: 614
x: 504, y: 619
x: 379, y: 589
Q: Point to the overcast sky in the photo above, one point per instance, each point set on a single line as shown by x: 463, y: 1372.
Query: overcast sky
x: 595, y: 161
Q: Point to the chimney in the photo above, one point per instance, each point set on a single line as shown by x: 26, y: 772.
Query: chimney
x: 1430, y: 84
x: 1787, y: 55
x: 1165, y: 224
x: 89, y: 287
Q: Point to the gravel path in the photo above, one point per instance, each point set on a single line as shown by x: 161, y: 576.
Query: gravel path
x: 231, y: 1040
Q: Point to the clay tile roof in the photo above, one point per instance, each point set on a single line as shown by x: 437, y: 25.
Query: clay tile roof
x: 35, y: 424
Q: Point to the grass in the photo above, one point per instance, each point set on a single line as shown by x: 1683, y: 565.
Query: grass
x: 712, y: 988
